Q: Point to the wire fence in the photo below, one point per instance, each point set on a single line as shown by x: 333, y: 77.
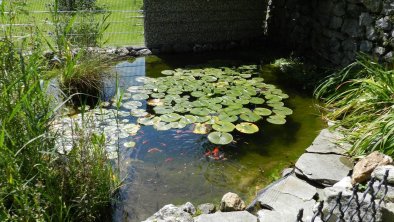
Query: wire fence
x: 121, y: 21
x: 358, y: 207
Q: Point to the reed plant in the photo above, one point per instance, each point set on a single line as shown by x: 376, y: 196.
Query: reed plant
x: 38, y: 182
x: 360, y: 99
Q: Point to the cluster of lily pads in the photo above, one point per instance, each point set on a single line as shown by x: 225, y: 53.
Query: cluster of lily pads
x: 106, y: 120
x: 215, y: 100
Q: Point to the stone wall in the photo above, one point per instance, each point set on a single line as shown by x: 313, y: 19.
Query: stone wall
x: 334, y: 30
x: 180, y: 25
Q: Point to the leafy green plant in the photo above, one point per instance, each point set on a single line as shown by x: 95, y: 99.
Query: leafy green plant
x: 361, y: 100
x: 38, y: 182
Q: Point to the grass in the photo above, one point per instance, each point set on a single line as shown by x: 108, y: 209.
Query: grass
x: 39, y: 183
x: 126, y: 24
x: 360, y: 99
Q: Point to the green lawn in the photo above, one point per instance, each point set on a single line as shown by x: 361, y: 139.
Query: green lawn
x: 126, y: 22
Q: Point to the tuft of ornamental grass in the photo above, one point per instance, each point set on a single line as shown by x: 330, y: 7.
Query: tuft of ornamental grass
x: 360, y: 99
x: 39, y: 183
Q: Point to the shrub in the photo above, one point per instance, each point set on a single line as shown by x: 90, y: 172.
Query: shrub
x: 360, y: 98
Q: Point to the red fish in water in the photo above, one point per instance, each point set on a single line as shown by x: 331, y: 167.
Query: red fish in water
x: 145, y: 142
x: 169, y: 159
x: 154, y: 150
x: 215, y: 154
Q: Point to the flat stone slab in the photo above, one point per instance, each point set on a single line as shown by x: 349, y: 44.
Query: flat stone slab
x: 286, y: 197
x: 235, y: 216
x: 170, y: 213
x: 325, y: 169
x: 328, y: 142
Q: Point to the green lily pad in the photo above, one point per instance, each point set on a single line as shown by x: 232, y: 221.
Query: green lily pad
x: 223, y: 126
x: 227, y: 118
x: 198, y: 94
x: 163, y: 110
x: 262, y: 111
x: 161, y: 126
x: 138, y: 112
x: 177, y: 125
x: 167, y: 72
x: 140, y: 96
x: 202, y: 119
x: 256, y: 100
x: 282, y: 111
x: 200, y: 111
x: 188, y: 119
x: 147, y: 121
x: 220, y: 138
x: 171, y: 117
x: 277, y: 120
x: 200, y: 128
x: 250, y: 117
x: 248, y: 128
x: 155, y: 102
x: 158, y: 95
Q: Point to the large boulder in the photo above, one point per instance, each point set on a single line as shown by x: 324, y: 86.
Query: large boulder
x: 238, y: 216
x: 325, y: 169
x: 232, y: 202
x: 363, y: 169
x: 170, y: 213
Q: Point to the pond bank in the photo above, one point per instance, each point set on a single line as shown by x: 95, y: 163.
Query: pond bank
x: 320, y: 174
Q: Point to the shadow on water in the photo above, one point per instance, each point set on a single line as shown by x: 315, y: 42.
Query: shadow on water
x: 178, y: 171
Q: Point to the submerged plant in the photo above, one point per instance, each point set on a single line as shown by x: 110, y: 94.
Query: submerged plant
x: 361, y: 100
x: 219, y: 99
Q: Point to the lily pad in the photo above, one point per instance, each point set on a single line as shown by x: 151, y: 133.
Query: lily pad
x: 155, y: 102
x: 256, y: 100
x: 140, y: 96
x: 138, y: 112
x: 220, y: 138
x: 262, y: 111
x: 223, y: 126
x: 250, y: 117
x: 248, y: 128
x: 283, y: 111
x: 200, y: 128
x: 167, y: 72
x: 227, y: 118
x: 277, y: 120
x: 171, y: 117
x: 163, y: 110
x: 200, y: 111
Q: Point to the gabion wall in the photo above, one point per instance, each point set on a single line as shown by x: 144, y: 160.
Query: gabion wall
x: 334, y: 30
x: 180, y: 25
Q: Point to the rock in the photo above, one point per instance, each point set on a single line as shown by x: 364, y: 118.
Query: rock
x: 232, y: 202
x: 345, y: 183
x: 363, y: 169
x: 350, y: 27
x: 170, y: 213
x: 366, y: 46
x: 206, y: 208
x: 379, y: 51
x: 365, y: 19
x: 339, y: 9
x: 325, y: 169
x: 287, y: 171
x: 388, y: 212
x: 122, y: 52
x: 336, y: 22
x: 144, y: 52
x: 373, y: 5
x: 384, y: 23
x: 327, y: 142
x: 371, y: 33
x: 330, y: 197
x: 380, y: 171
x: 239, y: 216
x: 389, y: 56
x: 188, y: 208
x: 388, y: 196
x: 274, y: 216
x: 286, y: 197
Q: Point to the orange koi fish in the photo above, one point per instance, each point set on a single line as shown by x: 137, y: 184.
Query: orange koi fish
x: 169, y: 159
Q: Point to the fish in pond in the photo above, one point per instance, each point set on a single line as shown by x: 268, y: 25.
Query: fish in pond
x: 145, y: 142
x: 215, y: 154
x: 154, y: 150
x: 169, y: 159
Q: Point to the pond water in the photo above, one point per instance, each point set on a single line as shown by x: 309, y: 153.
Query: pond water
x: 170, y: 166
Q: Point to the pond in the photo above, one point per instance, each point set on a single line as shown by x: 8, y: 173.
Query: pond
x: 172, y: 166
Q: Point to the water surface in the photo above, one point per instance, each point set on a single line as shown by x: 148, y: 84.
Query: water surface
x: 180, y: 172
